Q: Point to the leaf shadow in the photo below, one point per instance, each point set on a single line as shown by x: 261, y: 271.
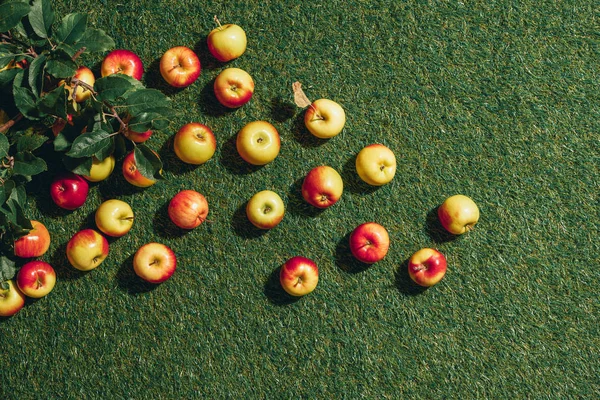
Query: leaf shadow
x: 282, y: 110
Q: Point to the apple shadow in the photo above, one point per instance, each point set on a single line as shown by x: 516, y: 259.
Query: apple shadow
x: 352, y: 181
x: 435, y: 230
x: 116, y: 186
x: 297, y: 205
x: 275, y: 293
x: 303, y: 136
x: 63, y: 268
x: 345, y: 260
x: 154, y: 80
x: 242, y: 226
x: 207, y: 61
x: 282, y: 110
x: 232, y: 161
x: 129, y: 282
x: 171, y: 162
x: 209, y: 104
x: 163, y: 226
x: 405, y: 284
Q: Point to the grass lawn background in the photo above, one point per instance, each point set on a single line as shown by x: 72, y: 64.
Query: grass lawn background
x: 495, y: 101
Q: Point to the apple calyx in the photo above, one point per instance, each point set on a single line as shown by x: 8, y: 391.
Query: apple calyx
x: 420, y: 267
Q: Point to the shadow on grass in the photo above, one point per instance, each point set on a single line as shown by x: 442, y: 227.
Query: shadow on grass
x: 163, y: 226
x: 233, y: 162
x: 242, y: 225
x: 129, y: 282
x: 282, y: 110
x: 116, y: 186
x: 297, y: 204
x: 63, y: 268
x: 171, y: 162
x: 352, y: 181
x: 207, y: 61
x: 303, y: 136
x: 405, y: 284
x: 154, y: 80
x: 435, y: 230
x: 209, y: 104
x: 275, y: 292
x: 345, y: 260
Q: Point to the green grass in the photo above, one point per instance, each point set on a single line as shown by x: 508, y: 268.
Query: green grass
x: 495, y: 101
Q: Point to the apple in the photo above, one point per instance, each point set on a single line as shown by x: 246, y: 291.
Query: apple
x: 299, y: 276
x: 233, y: 87
x: 35, y: 243
x: 69, y: 190
x: 36, y: 279
x: 11, y: 299
x: 258, y: 142
x: 82, y: 93
x: 122, y: 61
x: 87, y: 249
x: 322, y: 186
x: 101, y: 169
x: 138, y: 137
x: 188, y: 209
x: 180, y: 66
x: 265, y: 209
x: 458, y: 214
x: 132, y: 174
x: 376, y: 164
x: 324, y: 118
x: 114, y: 217
x: 226, y: 42
x: 369, y: 242
x: 195, y: 143
x: 427, y: 267
x: 154, y: 262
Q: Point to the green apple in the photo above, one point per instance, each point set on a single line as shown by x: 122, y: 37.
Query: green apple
x: 325, y: 118
x: 265, y: 209
x: 195, y: 143
x: 258, y: 142
x: 458, y: 214
x: 114, y: 217
x: 376, y: 164
x: 101, y: 169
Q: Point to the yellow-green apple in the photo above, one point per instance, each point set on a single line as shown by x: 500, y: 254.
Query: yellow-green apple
x: 132, y: 174
x: 11, y: 299
x: 369, y: 242
x: 69, y: 190
x: 458, y: 214
x: 101, y: 169
x: 154, y: 262
x: 122, y: 61
x: 265, y: 209
x: 299, y: 276
x: 324, y: 118
x: 258, y: 142
x: 226, y: 42
x: 87, y: 249
x: 322, y: 186
x: 82, y: 78
x: 36, y: 279
x: 233, y: 87
x: 180, y: 66
x: 138, y: 137
x: 195, y: 143
x: 188, y: 209
x: 427, y: 267
x: 35, y: 243
x: 114, y: 217
x: 376, y: 164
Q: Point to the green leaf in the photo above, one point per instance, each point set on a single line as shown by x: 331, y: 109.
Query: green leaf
x: 54, y: 103
x: 106, y: 151
x: 36, y: 74
x: 6, y: 59
x: 7, y: 76
x: 4, y: 146
x: 148, y: 162
x: 90, y: 143
x: 111, y: 87
x: 19, y: 195
x: 79, y: 166
x: 145, y: 99
x: 154, y: 118
x: 30, y: 142
x: 41, y: 17
x: 24, y: 98
x: 11, y: 13
x: 61, y: 142
x: 27, y: 164
x: 60, y: 64
x: 95, y: 40
x: 72, y: 28
x: 8, y: 269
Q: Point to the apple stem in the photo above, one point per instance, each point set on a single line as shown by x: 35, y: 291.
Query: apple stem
x: 317, y: 114
x: 420, y: 267
x: 217, y: 21
x: 9, y: 124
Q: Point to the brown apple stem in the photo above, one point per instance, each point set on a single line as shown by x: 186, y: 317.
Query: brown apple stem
x: 217, y: 21
x: 316, y: 115
x: 78, y: 53
x: 421, y: 267
x: 10, y: 123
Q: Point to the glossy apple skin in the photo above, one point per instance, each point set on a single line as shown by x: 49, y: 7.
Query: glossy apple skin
x: 322, y: 187
x: 132, y: 174
x: 458, y: 214
x: 180, y: 66
x: 325, y: 118
x: 233, y: 87
x: 36, y: 279
x: 114, y: 217
x: 154, y: 262
x: 299, y: 276
x: 101, y: 169
x: 265, y: 210
x: 188, y: 209
x: 87, y: 249
x: 35, y: 243
x: 195, y: 143
x: 376, y: 164
x: 69, y: 190
x: 227, y: 42
x: 258, y: 142
x: 369, y: 242
x: 12, y: 300
x: 427, y: 267
x: 122, y: 61
x: 85, y: 75
x: 138, y: 137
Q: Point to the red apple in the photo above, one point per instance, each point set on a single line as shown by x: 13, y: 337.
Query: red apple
x: 188, y: 209
x: 122, y: 62
x: 154, y: 262
x: 233, y: 87
x: 427, y: 267
x: 11, y: 299
x: 299, y: 276
x: 36, y: 279
x: 35, y: 243
x: 180, y: 66
x: 369, y: 242
x: 69, y: 190
x: 322, y: 187
x: 138, y: 137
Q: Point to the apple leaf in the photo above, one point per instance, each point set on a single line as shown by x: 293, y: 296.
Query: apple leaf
x: 4, y: 146
x: 111, y: 87
x: 145, y: 99
x: 26, y: 164
x: 61, y: 142
x: 8, y: 270
x: 11, y: 13
x: 89, y: 143
x: 36, y: 74
x: 41, y: 17
x: 72, y: 28
x: 7, y: 76
x: 299, y: 97
x: 79, y: 166
x: 54, y: 103
x: 24, y: 98
x: 95, y: 40
x: 30, y: 142
x: 154, y: 118
x: 148, y: 162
